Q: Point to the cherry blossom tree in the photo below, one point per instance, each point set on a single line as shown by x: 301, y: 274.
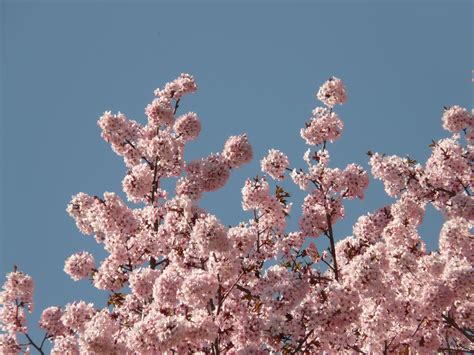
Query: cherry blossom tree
x: 179, y: 281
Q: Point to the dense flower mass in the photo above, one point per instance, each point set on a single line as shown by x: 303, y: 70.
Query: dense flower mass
x: 79, y: 265
x: 275, y: 164
x: 180, y: 281
x: 456, y: 118
x: 237, y: 151
x: 325, y: 125
x: 188, y: 126
x: 332, y: 92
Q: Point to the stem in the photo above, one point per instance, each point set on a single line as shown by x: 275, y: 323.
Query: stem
x: 155, y: 183
x: 353, y: 347
x: 228, y: 292
x: 219, y: 296
x: 450, y: 321
x: 418, y: 327
x: 332, y: 248
x: 258, y: 233
x: 46, y: 336
x: 34, y: 345
x: 176, y: 105
x: 330, y: 266
x: 300, y: 345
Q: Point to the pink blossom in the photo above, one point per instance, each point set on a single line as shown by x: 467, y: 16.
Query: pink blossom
x: 18, y: 286
x: 110, y: 275
x: 273, y: 214
x: 210, y: 234
x: 12, y: 318
x: 317, y: 211
x: 447, y: 168
x: 355, y: 181
x: 254, y: 193
x: 65, y: 345
x: 243, y: 238
x: 179, y: 87
x: 119, y: 131
x: 312, y: 251
x: 166, y: 288
x: 51, y: 321
x: 237, y: 151
x: 408, y: 210
x: 98, y: 335
x: 198, y: 288
x: 325, y: 125
x: 190, y: 187
x: 142, y: 281
x: 180, y: 281
x: 300, y: 178
x: 275, y: 164
x: 371, y: 226
x: 456, y: 118
x: 392, y: 170
x: 332, y: 92
x: 188, y: 126
x: 9, y: 344
x: 160, y: 112
x: 77, y: 314
x: 455, y: 239
x: 213, y: 172
x: 138, y: 182
x: 79, y: 265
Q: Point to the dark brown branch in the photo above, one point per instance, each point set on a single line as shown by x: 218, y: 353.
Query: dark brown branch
x: 330, y: 235
x: 450, y: 321
x: 176, y: 105
x: 34, y: 344
x: 300, y: 345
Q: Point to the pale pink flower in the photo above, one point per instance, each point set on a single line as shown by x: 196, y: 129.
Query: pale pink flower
x: 18, y: 286
x: 77, y: 314
x: 198, y: 288
x: 190, y: 187
x: 456, y: 118
x: 355, y: 181
x: 138, y: 183
x: 99, y: 333
x: 80, y: 265
x: 275, y: 164
x: 179, y: 87
x: 332, y: 92
x: 65, y: 345
x: 160, y: 112
x: 142, y: 281
x: 254, y: 193
x: 9, y: 344
x: 210, y: 234
x: 51, y: 321
x: 212, y: 172
x: 237, y: 151
x: 325, y: 125
x: 12, y: 318
x: 187, y: 126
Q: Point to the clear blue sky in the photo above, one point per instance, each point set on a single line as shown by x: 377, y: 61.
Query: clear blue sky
x: 258, y: 66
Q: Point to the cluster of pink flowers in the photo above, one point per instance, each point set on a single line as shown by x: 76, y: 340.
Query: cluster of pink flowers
x: 179, y: 281
x: 79, y: 265
x: 325, y: 125
x: 332, y: 92
x: 275, y: 164
x: 16, y: 298
x: 457, y: 118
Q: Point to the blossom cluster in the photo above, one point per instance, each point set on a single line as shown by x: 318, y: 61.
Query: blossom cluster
x: 179, y: 281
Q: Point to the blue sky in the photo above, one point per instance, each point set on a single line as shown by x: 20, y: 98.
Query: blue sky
x: 258, y: 66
